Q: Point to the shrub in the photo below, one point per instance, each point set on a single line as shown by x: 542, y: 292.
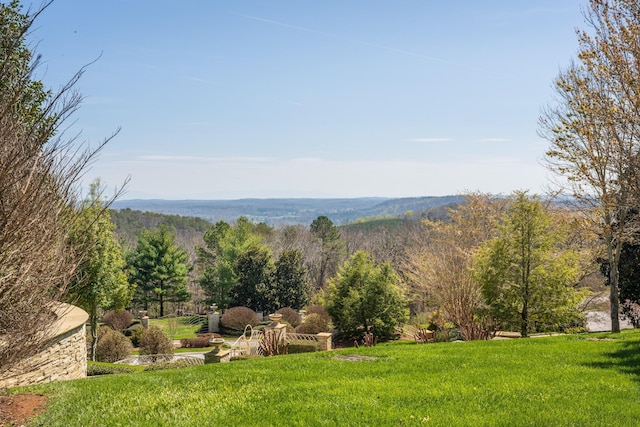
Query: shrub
x: 134, y: 333
x: 237, y: 318
x: 319, y: 310
x: 313, y: 324
x: 302, y: 347
x: 118, y: 320
x: 112, y: 345
x: 290, y: 316
x: 155, y: 341
x: 97, y: 368
x: 182, y: 363
x: 199, y: 342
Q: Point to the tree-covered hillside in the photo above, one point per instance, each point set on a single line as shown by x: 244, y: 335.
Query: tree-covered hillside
x: 291, y: 211
x: 130, y: 223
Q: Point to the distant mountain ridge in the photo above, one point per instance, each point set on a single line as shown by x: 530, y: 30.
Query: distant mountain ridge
x: 288, y: 211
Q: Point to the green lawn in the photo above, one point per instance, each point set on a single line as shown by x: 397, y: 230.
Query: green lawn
x: 184, y: 328
x: 553, y: 381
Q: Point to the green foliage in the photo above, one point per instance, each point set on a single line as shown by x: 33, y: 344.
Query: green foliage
x: 629, y: 281
x: 553, y: 381
x: 159, y: 268
x: 527, y: 276
x: 365, y: 297
x: 295, y: 347
x: 313, y: 324
x: 290, y: 284
x: 237, y: 318
x: 100, y: 281
x: 319, y: 310
x: 253, y: 288
x: 155, y: 341
x: 237, y: 269
x: 16, y: 86
x: 112, y: 345
x: 130, y: 223
x: 134, y: 333
x: 105, y: 368
x: 333, y: 249
x: 223, y: 245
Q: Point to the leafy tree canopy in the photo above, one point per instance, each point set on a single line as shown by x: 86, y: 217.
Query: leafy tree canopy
x: 526, y: 274
x: 365, y: 296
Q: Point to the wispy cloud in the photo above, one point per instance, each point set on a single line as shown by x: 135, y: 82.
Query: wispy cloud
x: 430, y: 140
x: 347, y: 39
x: 172, y: 158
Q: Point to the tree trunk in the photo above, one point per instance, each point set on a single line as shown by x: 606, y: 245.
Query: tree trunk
x: 614, y: 258
x: 525, y: 320
x: 94, y: 336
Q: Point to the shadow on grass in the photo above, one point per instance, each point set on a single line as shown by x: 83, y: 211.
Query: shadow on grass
x: 625, y: 360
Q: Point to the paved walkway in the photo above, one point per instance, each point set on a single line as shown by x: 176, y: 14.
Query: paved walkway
x: 600, y: 321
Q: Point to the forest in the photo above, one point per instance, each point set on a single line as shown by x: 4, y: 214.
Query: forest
x: 487, y: 263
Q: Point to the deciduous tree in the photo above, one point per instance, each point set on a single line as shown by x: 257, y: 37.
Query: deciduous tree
x: 594, y: 127
x: 439, y: 266
x: 100, y: 281
x: 40, y: 172
x: 527, y: 276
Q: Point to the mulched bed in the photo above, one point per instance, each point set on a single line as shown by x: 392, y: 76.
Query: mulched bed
x: 17, y: 410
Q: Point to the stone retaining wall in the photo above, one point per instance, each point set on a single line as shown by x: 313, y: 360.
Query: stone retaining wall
x: 65, y: 358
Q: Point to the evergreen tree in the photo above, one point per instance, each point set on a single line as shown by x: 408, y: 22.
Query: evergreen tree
x: 331, y: 252
x: 365, y: 297
x: 159, y: 268
x: 254, y: 289
x: 223, y: 244
x: 290, y: 282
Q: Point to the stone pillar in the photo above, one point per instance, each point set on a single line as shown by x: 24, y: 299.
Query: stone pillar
x: 145, y: 322
x: 281, y: 329
x: 222, y: 356
x: 303, y: 314
x: 324, y: 341
x: 214, y: 321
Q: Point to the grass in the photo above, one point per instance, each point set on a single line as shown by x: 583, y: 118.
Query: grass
x: 183, y: 329
x: 581, y: 380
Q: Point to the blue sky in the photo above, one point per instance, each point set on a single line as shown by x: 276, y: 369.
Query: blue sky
x: 232, y: 99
